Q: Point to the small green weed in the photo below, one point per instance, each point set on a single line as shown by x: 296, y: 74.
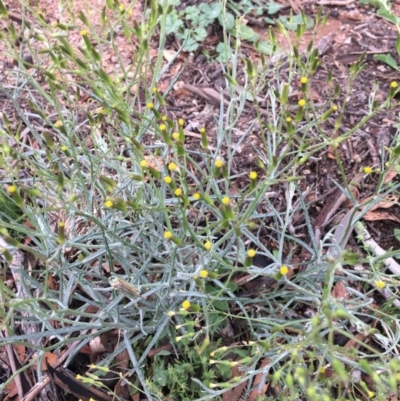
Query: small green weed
x: 191, y: 24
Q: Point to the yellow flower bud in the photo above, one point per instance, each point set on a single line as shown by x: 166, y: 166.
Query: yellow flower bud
x: 219, y: 163
x: 251, y: 253
x: 167, y: 235
x: 186, y: 305
x: 207, y: 245
x: 284, y: 270
x: 225, y: 200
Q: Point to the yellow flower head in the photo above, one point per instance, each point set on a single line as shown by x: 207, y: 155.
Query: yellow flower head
x: 393, y: 84
x: 284, y: 270
x: 170, y: 313
x: 108, y: 204
x: 58, y: 124
x: 302, y: 103
x: 164, y: 118
x: 167, y: 235
x: 178, y: 192
x: 203, y: 273
x: 253, y: 175
x: 196, y: 196
x: 367, y: 170
x: 225, y: 200
x: 12, y: 189
x: 163, y: 127
x: 303, y: 80
x: 175, y: 135
x: 380, y: 284
x: 202, y: 130
x: 150, y: 105
x: 207, y: 245
x: 144, y: 164
x: 167, y: 179
x: 251, y: 253
x: 154, y: 90
x: 288, y: 119
x: 83, y: 32
x: 334, y: 107
x: 64, y: 148
x: 219, y: 163
x: 181, y: 122
x: 172, y: 166
x: 186, y: 305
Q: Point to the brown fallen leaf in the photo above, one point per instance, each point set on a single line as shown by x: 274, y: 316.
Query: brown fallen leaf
x: 374, y: 216
x: 390, y: 175
x: 20, y: 351
x: 386, y: 203
x: 49, y: 359
x: 353, y: 343
x: 121, y: 362
x: 257, y: 392
x: 339, y: 291
x: 156, y: 162
x: 235, y: 393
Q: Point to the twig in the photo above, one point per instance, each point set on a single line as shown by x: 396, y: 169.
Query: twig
x: 11, y: 359
x: 371, y: 245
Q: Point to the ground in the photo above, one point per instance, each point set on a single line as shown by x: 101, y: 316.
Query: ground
x: 351, y: 30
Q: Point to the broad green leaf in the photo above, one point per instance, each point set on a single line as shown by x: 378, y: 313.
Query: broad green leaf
x: 160, y: 376
x: 220, y: 305
x: 215, y: 10
x: 273, y: 8
x: 265, y: 47
x: 192, y: 13
x: 200, y: 34
x: 224, y: 51
x: 173, y: 23
x: 190, y: 45
x: 396, y: 151
x: 291, y: 23
x: 269, y: 21
x: 388, y: 16
x: 375, y: 3
x: 228, y: 22
x: 247, y: 33
x: 387, y: 59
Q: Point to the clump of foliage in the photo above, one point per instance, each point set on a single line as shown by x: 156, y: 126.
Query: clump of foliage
x: 147, y: 236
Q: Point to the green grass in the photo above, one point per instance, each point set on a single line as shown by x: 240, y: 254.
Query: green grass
x: 154, y: 267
